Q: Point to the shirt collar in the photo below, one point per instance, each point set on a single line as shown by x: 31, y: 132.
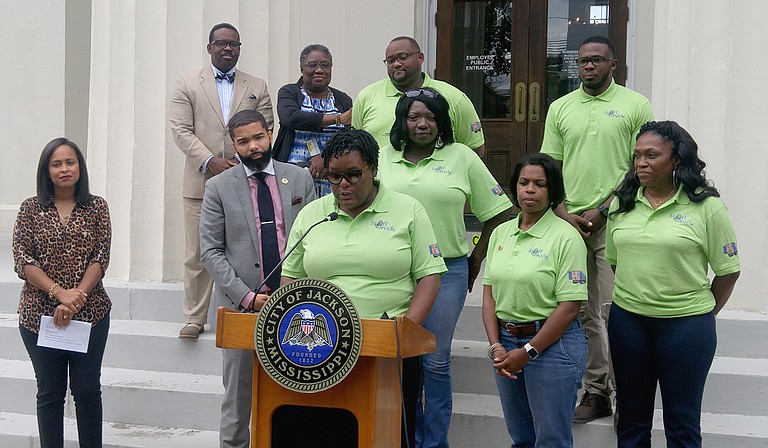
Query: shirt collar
x: 391, y: 90
x: 606, y: 96
x: 680, y: 197
x: 216, y: 71
x: 269, y: 169
x: 380, y: 203
x: 539, y: 229
x: 437, y: 154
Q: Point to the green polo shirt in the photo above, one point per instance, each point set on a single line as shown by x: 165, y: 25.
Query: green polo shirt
x: 374, y: 111
x: 443, y: 183
x: 662, y: 256
x: 594, y: 137
x: 376, y: 258
x: 531, y: 271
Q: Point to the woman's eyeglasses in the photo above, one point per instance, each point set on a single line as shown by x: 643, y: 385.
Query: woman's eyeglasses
x: 413, y: 93
x: 352, y: 177
x: 325, y: 66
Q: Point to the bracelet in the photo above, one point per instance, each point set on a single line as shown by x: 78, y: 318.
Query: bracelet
x: 491, y: 348
x: 50, y: 290
x: 338, y: 119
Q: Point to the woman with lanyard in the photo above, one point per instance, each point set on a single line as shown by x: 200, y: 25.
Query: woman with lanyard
x: 310, y: 111
x: 662, y: 323
x: 381, y: 250
x: 61, y: 244
x: 534, y: 284
x: 424, y: 161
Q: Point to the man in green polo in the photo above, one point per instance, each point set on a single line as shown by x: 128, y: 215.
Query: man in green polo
x: 374, y: 107
x: 592, y: 132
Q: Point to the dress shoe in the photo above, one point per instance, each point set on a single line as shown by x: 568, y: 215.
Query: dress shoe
x: 191, y: 331
x: 591, y: 407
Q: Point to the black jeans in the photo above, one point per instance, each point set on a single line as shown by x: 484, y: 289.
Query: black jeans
x: 51, y: 366
x: 676, y: 353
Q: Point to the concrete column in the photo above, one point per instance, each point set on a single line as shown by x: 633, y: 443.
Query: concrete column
x: 31, y: 95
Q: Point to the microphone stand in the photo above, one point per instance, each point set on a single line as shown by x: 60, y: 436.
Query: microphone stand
x: 331, y: 217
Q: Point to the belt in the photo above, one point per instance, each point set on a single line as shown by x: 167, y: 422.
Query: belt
x: 518, y: 329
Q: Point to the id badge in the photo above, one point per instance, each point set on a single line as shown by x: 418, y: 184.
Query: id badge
x: 314, y: 148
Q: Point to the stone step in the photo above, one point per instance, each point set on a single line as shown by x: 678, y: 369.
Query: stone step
x: 734, y: 385
x: 20, y: 431
x: 737, y: 331
x: 148, y: 345
x: 138, y: 397
x: 478, y: 421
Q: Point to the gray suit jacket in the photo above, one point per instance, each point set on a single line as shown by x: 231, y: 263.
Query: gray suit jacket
x: 197, y: 123
x: 229, y: 242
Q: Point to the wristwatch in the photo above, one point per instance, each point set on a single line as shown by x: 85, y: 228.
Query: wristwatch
x: 531, y: 350
x: 603, y: 210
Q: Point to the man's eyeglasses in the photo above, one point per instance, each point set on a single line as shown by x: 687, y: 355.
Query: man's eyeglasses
x: 597, y: 61
x: 352, y: 177
x: 325, y: 66
x: 223, y: 43
x: 413, y: 93
x: 402, y: 57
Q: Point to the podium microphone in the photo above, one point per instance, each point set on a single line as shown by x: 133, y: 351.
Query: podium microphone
x: 331, y: 217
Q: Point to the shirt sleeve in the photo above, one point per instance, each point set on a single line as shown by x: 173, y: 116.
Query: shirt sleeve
x: 486, y: 197
x: 468, y: 129
x: 553, y: 144
x: 103, y: 228
x: 426, y: 258
x: 24, y: 248
x: 722, y: 250
x: 572, y: 269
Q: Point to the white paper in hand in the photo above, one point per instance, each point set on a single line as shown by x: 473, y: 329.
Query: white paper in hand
x: 73, y: 338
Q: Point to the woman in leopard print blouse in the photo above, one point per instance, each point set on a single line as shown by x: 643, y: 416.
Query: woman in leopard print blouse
x: 61, y: 243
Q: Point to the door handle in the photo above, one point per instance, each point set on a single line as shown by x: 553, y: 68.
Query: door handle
x: 520, y: 102
x: 533, y: 103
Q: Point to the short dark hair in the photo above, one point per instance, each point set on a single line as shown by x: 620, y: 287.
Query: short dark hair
x: 689, y: 170
x: 398, y: 135
x: 349, y: 139
x: 314, y: 47
x: 555, y: 186
x: 409, y: 39
x: 244, y: 118
x: 45, y: 184
x: 600, y: 40
x: 219, y: 26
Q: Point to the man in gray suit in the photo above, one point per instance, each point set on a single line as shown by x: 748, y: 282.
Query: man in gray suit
x: 231, y: 229
x: 200, y: 109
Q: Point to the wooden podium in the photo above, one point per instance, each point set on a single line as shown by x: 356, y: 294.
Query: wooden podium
x: 371, y: 391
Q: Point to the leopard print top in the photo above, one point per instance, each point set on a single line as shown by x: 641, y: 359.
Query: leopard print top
x: 63, y: 252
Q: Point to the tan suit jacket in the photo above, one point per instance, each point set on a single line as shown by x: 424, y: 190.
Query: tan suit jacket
x: 198, y: 125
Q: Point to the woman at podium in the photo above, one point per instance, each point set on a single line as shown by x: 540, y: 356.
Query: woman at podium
x: 534, y: 284
x: 381, y: 250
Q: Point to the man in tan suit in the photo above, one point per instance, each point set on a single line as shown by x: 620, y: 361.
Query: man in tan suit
x: 200, y: 108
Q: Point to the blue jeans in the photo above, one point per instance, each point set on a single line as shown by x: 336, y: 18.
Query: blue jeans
x: 538, y: 405
x: 675, y: 352
x: 51, y: 366
x: 433, y: 416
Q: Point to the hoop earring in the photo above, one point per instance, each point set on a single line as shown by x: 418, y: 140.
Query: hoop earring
x: 439, y: 143
x: 634, y: 176
x: 674, y: 177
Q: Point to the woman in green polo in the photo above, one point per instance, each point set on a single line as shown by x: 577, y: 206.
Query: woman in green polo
x: 667, y: 227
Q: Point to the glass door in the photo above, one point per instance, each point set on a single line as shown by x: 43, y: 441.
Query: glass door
x: 513, y: 58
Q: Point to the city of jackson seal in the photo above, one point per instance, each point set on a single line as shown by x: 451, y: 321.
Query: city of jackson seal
x: 308, y: 335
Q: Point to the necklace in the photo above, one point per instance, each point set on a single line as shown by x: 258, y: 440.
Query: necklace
x: 659, y: 201
x: 65, y: 219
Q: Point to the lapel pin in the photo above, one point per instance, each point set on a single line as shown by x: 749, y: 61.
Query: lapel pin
x: 284, y: 181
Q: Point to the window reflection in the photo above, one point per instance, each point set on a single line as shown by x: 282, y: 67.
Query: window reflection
x: 569, y: 22
x: 482, y: 56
